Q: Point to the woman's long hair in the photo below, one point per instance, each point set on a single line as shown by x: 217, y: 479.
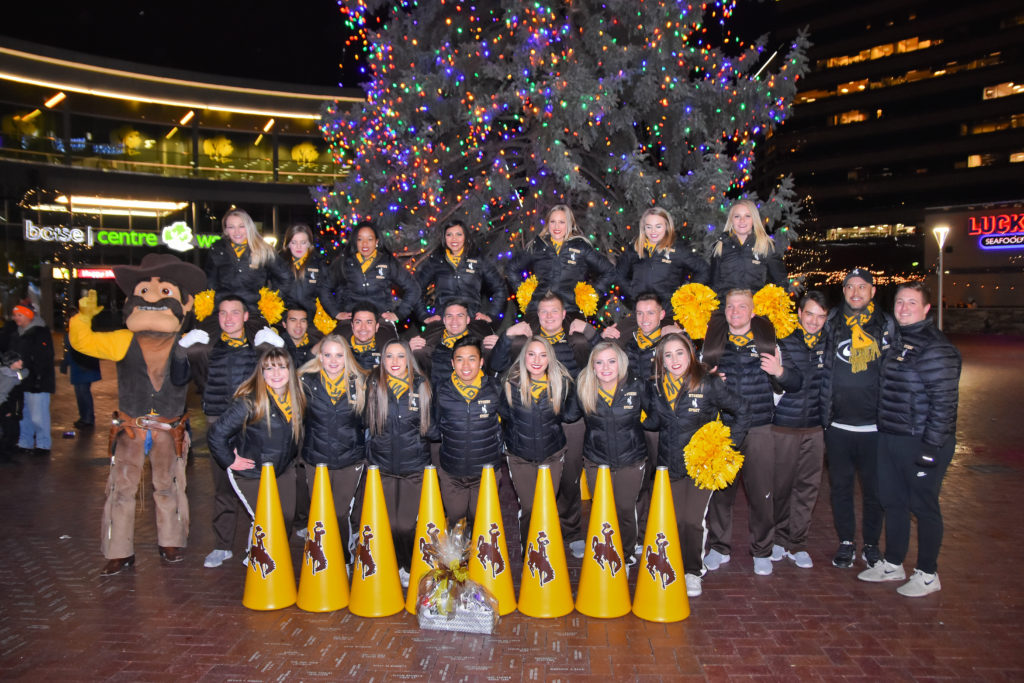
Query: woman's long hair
x: 378, y: 393
x: 254, y: 391
x: 559, y: 378
x: 669, y: 238
x: 469, y: 247
x: 695, y: 371
x: 351, y: 249
x: 763, y: 245
x: 587, y: 383
x: 574, y: 228
x: 286, y: 253
x: 354, y: 373
x: 261, y: 252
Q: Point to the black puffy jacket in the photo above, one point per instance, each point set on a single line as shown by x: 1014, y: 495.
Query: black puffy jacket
x: 641, y: 361
x: 476, y: 280
x: 226, y: 369
x: 34, y: 344
x: 693, y: 410
x: 743, y: 374
x: 230, y: 432
x: 334, y: 434
x: 660, y: 273
x: 882, y: 327
x: 470, y: 433
x: 802, y: 409
x: 301, y: 290
x: 919, y: 391
x: 739, y: 268
x: 352, y: 286
x: 533, y: 432
x: 614, y: 435
x: 578, y: 261
x: 228, y: 274
x: 400, y: 449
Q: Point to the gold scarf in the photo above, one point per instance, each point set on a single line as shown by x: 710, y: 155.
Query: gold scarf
x: 285, y: 404
x: 649, y: 250
x: 811, y: 339
x: 468, y: 391
x: 454, y: 259
x: 449, y: 339
x: 365, y: 263
x: 557, y: 245
x: 300, y: 264
x: 645, y: 342
x: 553, y: 338
x: 363, y: 348
x: 538, y: 387
x: 671, y: 386
x: 233, y: 342
x: 240, y: 248
x: 608, y: 398
x: 398, y: 386
x: 742, y: 340
x: 335, y: 388
x: 863, y: 347
x: 302, y: 342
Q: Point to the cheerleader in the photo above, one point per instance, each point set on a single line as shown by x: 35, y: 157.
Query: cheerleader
x: 684, y: 398
x: 309, y: 278
x: 368, y: 273
x: 334, y: 386
x: 744, y: 257
x: 242, y: 263
x: 536, y: 398
x: 397, y: 418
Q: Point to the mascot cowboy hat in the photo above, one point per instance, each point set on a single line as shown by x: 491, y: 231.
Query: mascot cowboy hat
x: 166, y: 267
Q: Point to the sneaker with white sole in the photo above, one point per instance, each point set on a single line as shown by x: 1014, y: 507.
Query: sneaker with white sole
x: 762, y: 566
x: 801, y: 558
x: 872, y: 555
x: 693, y: 585
x: 714, y: 559
x: 578, y: 548
x: 920, y: 585
x: 303, y: 533
x: 845, y: 555
x: 403, y: 576
x: 216, y: 558
x: 883, y: 571
x: 778, y: 552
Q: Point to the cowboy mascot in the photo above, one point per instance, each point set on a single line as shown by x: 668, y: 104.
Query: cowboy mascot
x: 152, y: 380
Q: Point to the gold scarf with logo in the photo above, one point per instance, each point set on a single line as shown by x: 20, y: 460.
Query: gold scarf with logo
x: 671, y: 386
x: 449, y: 339
x: 285, y: 404
x: 863, y: 347
x: 363, y: 348
x: 742, y: 340
x: 335, y: 388
x: 299, y: 264
x: 557, y: 245
x: 233, y: 342
x: 811, y: 339
x: 398, y: 386
x: 454, y: 259
x: 553, y: 338
x: 470, y: 390
x: 538, y: 387
x: 608, y: 397
x: 365, y: 263
x: 240, y: 248
x: 645, y: 342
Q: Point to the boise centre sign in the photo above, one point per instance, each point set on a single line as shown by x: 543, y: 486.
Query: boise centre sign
x: 177, y: 236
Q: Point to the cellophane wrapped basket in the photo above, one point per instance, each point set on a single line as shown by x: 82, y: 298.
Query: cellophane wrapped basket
x: 447, y: 599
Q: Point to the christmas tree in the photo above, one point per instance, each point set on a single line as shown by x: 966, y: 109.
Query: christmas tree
x: 493, y: 111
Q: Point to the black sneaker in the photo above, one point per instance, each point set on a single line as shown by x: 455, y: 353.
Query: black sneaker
x: 872, y: 555
x: 845, y: 555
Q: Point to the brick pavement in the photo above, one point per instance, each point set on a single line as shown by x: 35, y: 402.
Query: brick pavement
x: 59, y: 620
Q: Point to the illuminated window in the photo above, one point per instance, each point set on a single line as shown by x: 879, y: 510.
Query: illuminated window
x: 879, y: 52
x: 1016, y: 157
x: 1002, y: 90
x: 847, y: 117
x: 976, y: 160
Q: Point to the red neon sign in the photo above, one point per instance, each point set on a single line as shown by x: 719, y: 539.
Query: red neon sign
x: 94, y: 273
x: 1000, y: 224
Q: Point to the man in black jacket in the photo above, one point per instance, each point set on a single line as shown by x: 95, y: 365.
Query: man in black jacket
x: 367, y: 339
x: 435, y: 354
x: 297, y: 338
x: 917, y: 436
x: 857, y: 339
x: 798, y: 436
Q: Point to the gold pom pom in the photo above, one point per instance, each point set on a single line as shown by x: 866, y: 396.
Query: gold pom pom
x: 711, y: 460
x: 203, y: 304
x: 772, y: 302
x: 322, y: 321
x: 692, y: 306
x: 586, y: 298
x: 525, y: 292
x: 271, y: 306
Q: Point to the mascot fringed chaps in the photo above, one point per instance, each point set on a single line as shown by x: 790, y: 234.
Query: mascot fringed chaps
x: 152, y: 381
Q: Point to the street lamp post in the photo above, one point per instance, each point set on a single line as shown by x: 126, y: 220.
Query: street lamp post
x: 940, y: 232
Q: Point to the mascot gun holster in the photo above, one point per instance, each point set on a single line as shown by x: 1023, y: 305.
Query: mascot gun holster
x: 138, y: 426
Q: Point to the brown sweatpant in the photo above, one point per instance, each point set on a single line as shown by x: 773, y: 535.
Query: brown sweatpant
x: 626, y: 483
x: 344, y: 484
x: 402, y: 499
x: 757, y: 474
x: 691, y: 507
x: 524, y: 479
x: 799, y: 457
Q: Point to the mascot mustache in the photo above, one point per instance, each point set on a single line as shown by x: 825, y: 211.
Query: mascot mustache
x: 134, y: 303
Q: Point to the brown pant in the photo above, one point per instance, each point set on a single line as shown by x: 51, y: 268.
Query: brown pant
x: 344, y: 484
x: 799, y: 457
x: 248, y: 491
x: 169, y: 496
x: 643, y: 503
x: 626, y: 483
x: 460, y: 495
x: 691, y: 508
x: 402, y: 498
x: 524, y: 478
x: 567, y: 495
x: 757, y: 474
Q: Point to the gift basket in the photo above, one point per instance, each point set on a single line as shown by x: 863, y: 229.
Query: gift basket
x: 447, y: 599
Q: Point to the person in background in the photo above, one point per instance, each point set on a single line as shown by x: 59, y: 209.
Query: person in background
x: 83, y: 370
x: 12, y: 371
x: 33, y: 341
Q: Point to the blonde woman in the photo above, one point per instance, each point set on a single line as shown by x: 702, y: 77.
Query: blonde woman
x: 242, y: 262
x: 263, y: 424
x: 612, y: 403
x: 335, y: 389
x: 537, y: 397
x: 745, y: 256
x: 398, y: 421
x: 657, y: 262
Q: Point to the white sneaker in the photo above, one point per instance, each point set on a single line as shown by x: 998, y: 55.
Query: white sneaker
x: 403, y: 576
x: 883, y: 571
x: 303, y: 533
x: 920, y: 584
x: 216, y: 558
x: 801, y: 558
x: 693, y: 585
x: 762, y: 566
x: 578, y: 548
x: 778, y: 552
x: 638, y: 549
x: 714, y: 559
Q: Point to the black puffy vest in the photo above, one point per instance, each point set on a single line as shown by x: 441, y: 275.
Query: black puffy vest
x: 334, y: 434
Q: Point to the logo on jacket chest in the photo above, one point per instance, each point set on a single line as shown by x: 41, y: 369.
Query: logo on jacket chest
x: 694, y: 403
x: 414, y: 402
x: 382, y: 272
x: 573, y: 255
x: 312, y: 274
x: 471, y: 266
x: 630, y: 399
